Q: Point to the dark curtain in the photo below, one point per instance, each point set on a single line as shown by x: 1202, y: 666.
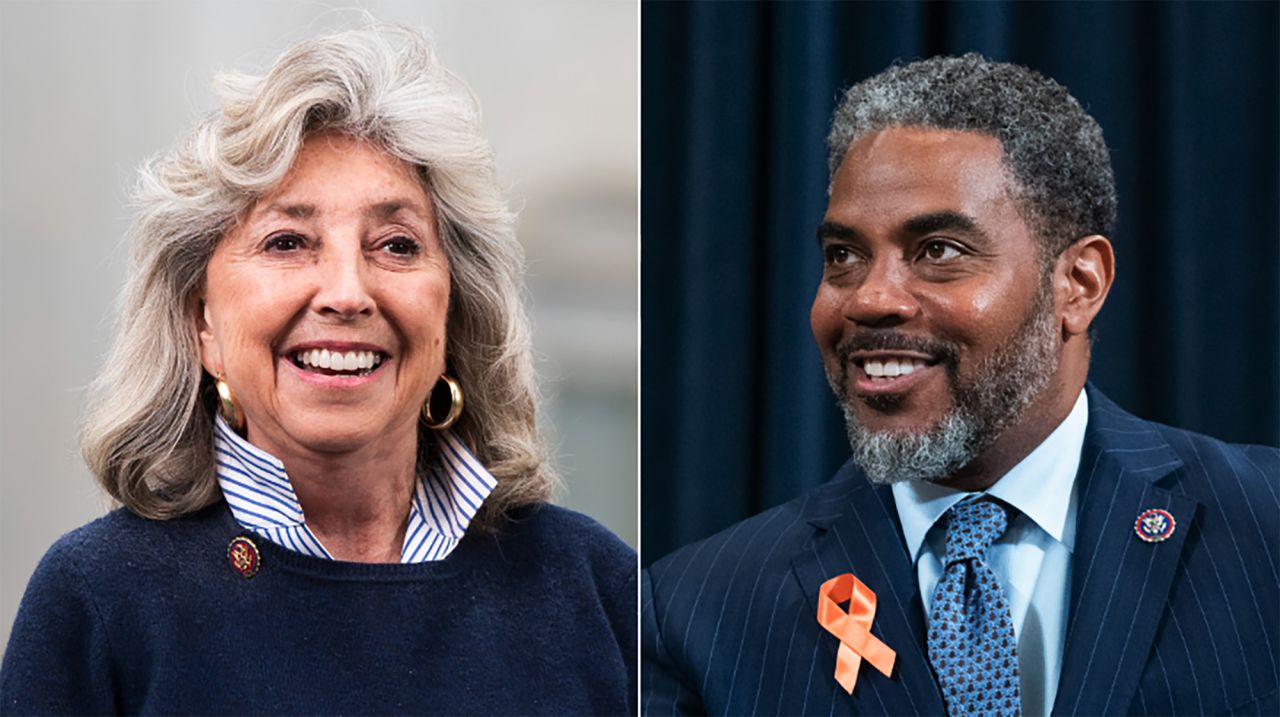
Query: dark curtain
x: 737, y: 99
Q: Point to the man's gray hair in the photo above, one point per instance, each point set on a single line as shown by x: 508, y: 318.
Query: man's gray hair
x: 148, y: 432
x: 1053, y: 149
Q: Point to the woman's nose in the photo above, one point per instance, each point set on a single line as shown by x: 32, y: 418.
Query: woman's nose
x: 343, y: 278
x: 883, y: 298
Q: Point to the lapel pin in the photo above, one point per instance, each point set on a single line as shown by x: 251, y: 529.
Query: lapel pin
x: 244, y: 557
x: 1154, y: 525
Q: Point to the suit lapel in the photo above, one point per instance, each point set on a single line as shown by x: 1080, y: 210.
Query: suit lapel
x: 1119, y: 583
x: 861, y: 536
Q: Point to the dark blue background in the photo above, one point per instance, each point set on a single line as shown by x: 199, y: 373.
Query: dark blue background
x: 737, y: 99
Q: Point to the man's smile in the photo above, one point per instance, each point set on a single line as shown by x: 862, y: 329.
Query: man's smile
x: 884, y: 373
x: 879, y: 365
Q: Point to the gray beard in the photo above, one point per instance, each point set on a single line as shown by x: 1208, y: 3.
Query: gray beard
x: 1002, y: 387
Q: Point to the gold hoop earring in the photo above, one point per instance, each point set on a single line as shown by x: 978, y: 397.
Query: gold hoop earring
x: 228, y: 406
x: 455, y: 405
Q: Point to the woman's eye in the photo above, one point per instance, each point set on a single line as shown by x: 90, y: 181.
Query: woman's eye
x: 284, y: 243
x: 401, y: 246
x: 937, y: 250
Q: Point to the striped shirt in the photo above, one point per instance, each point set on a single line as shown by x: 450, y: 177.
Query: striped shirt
x: 262, y: 500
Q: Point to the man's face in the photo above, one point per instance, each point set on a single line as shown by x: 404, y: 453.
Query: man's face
x: 934, y: 318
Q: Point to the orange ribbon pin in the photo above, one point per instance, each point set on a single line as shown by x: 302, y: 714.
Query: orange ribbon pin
x: 852, y: 628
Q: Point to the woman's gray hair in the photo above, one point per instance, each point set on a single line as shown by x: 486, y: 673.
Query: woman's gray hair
x: 148, y: 431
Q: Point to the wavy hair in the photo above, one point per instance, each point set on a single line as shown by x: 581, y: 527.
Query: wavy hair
x: 148, y: 429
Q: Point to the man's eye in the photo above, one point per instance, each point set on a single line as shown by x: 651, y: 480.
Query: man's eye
x: 401, y: 246
x: 839, y: 255
x: 938, y: 250
x: 282, y: 243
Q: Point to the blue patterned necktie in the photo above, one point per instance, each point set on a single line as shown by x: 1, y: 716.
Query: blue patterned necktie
x: 971, y: 640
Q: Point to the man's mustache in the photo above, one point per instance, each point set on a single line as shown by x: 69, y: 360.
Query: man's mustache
x: 941, y: 352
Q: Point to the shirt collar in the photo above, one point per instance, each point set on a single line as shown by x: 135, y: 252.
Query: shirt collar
x: 1039, y: 486
x: 262, y: 499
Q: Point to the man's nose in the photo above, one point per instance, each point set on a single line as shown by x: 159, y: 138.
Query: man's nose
x: 883, y: 298
x: 343, y: 291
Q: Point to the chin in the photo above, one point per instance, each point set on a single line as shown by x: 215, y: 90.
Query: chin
x: 903, y: 423
x: 335, y: 433
x: 898, y: 413
x: 334, y: 442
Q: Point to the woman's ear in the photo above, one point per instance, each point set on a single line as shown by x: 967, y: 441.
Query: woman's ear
x: 1084, y: 273
x: 210, y: 353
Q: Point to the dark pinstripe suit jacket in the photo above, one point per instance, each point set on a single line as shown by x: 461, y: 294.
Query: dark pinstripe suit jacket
x: 1185, y: 626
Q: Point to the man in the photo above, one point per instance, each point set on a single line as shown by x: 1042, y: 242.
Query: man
x: 1014, y: 541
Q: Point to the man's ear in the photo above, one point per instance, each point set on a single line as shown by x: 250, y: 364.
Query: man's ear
x: 1084, y: 274
x: 210, y: 353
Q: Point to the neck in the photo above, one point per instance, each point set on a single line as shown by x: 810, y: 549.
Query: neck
x: 357, y: 502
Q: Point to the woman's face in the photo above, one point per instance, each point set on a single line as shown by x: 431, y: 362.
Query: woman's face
x: 341, y: 260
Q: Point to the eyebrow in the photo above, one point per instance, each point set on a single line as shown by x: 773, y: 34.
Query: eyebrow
x: 945, y: 220
x: 293, y: 211
x: 942, y: 221
x: 386, y: 210
x: 381, y: 210
x: 834, y: 230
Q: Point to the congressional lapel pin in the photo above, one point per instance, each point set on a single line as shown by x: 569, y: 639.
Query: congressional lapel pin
x: 244, y: 557
x: 1154, y: 525
x: 852, y: 628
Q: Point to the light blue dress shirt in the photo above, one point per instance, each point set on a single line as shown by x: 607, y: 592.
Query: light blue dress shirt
x: 262, y: 499
x: 1033, y: 557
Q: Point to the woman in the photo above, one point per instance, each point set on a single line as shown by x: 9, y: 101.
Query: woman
x: 319, y: 417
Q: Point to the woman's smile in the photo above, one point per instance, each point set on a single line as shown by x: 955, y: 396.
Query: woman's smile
x: 365, y: 368
x: 336, y: 364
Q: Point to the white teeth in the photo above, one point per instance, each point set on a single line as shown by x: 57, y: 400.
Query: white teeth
x: 338, y: 361
x: 892, y: 368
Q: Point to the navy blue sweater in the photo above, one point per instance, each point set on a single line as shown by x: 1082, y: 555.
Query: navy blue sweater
x: 127, y: 615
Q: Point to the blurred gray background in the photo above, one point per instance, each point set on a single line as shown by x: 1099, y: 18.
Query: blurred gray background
x: 87, y: 90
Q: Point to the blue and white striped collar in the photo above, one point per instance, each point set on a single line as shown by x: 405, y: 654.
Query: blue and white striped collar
x: 262, y: 500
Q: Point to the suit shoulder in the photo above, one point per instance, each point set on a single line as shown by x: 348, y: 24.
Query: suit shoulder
x: 1256, y: 467
x: 1239, y: 485
x: 1192, y: 462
